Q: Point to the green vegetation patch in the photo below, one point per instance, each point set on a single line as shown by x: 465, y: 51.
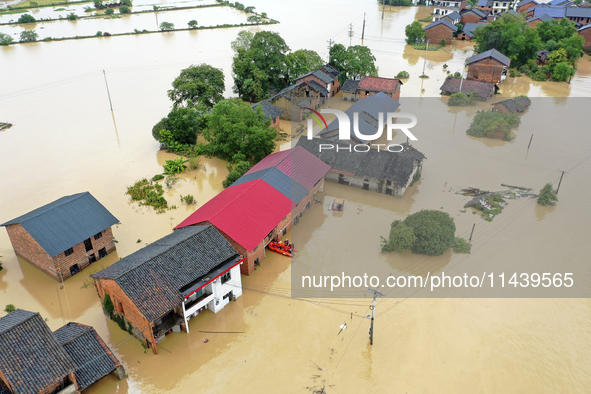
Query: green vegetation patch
x: 148, y: 193
x: 493, y: 125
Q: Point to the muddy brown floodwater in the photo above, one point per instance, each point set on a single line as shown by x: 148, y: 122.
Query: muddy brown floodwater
x: 65, y: 140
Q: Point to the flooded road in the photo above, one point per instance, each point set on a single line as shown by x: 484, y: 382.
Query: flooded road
x: 65, y: 140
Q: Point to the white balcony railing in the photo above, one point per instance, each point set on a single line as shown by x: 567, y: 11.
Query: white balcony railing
x: 198, y: 305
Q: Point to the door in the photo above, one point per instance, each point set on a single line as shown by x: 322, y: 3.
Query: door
x: 88, y: 244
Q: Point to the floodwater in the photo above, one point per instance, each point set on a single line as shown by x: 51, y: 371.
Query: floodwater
x: 66, y: 140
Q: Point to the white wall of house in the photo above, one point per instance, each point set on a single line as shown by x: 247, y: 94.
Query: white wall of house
x: 219, y: 290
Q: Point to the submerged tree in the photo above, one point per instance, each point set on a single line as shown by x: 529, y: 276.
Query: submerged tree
x: 547, y: 195
x: 29, y: 36
x: 202, y: 84
x: 415, y: 34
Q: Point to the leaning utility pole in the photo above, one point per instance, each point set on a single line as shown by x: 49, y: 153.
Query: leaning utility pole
x: 373, y: 308
x: 108, y: 94
x: 426, y: 51
x: 559, y: 182
x: 350, y: 33
x: 383, y: 8
x: 363, y: 30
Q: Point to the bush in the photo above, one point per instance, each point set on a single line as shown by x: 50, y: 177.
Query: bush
x: 194, y: 162
x: 26, y: 18
x: 5, y: 39
x: 109, y: 11
x: 148, y: 193
x: 192, y: 24
x: 403, y: 75
x: 175, y: 166
x: 402, y: 238
x: 166, y: 26
x: 10, y: 308
x: 487, y: 123
x: 126, y: 2
x: 72, y: 17
x: 539, y: 76
x: 188, y: 199
x: 99, y: 33
x: 462, y: 100
x: 124, y: 10
x: 442, y: 43
x: 157, y: 177
x: 108, y: 305
x: 461, y: 245
x: 236, y: 172
x: 29, y: 36
x: 547, y: 196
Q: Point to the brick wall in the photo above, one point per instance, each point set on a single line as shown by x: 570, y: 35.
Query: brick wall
x: 26, y: 247
x: 463, y: 37
x: 586, y: 34
x: 395, y: 95
x: 142, y: 328
x: 438, y: 33
x: 525, y: 7
x: 275, y: 123
x: 469, y: 18
x: 486, y: 70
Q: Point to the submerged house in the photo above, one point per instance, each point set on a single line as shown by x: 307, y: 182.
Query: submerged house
x: 35, y: 360
x: 264, y: 203
x: 511, y: 106
x: 489, y: 66
x: 159, y: 288
x: 469, y: 31
x: 294, y: 99
x: 65, y: 236
x: 440, y: 30
x: 271, y: 112
x: 380, y: 171
x: 349, y: 89
x: 367, y: 111
x: 369, y: 86
x: 326, y: 76
x: 482, y: 90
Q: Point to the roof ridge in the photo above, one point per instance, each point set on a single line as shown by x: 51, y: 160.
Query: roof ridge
x: 78, y: 335
x: 78, y: 195
x: 239, y: 194
x: 22, y: 321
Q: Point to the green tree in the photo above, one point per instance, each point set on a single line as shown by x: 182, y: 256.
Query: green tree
x: 402, y: 238
x: 126, y: 10
x: 254, y: 19
x: 510, y: 36
x: 547, y: 195
x: 235, y: 132
x: 353, y: 62
x: 98, y: 4
x: 242, y: 41
x: 109, y: 11
x: 561, y: 72
x: 202, y: 84
x: 192, y: 24
x: 29, y: 36
x: 302, y: 62
x: 34, y: 4
x: 5, y: 39
x: 249, y: 9
x: 126, y: 2
x: 165, y: 26
x: 183, y: 123
x: 236, y: 172
x: 415, y: 34
x: 264, y: 15
x: 26, y: 18
x: 554, y: 30
x: 72, y: 16
x: 338, y: 58
x: 434, y: 231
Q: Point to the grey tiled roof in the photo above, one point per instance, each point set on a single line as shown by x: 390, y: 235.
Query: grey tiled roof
x: 350, y: 85
x: 543, y: 17
x: 524, y: 2
x: 396, y: 167
x: 470, y: 27
x: 442, y: 21
x: 270, y: 111
x: 153, y: 276
x: 553, y: 11
x: 279, y: 181
x: 485, y: 3
x: 65, y: 222
x: 372, y: 105
x: 331, y: 70
x: 31, y: 359
x: 453, y: 15
x: 476, y: 11
x: 490, y: 53
x: 517, y: 104
x: 577, y: 12
x: 512, y: 13
x: 92, y: 358
x: 323, y: 76
x: 317, y: 87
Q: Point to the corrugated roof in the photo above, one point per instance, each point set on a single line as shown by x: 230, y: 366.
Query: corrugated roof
x: 65, y: 222
x: 92, y: 358
x: 490, y: 53
x: 247, y: 213
x: 442, y: 21
x: 298, y: 164
x: 372, y: 105
x: 31, y: 359
x: 153, y: 276
x: 280, y: 181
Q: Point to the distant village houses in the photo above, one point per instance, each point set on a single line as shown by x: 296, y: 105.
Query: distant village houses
x: 585, y: 32
x: 381, y: 171
x: 525, y: 5
x: 34, y: 360
x: 443, y: 8
x: 65, y: 236
x: 159, y: 288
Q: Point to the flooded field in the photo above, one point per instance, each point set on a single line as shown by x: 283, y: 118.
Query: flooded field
x: 65, y: 140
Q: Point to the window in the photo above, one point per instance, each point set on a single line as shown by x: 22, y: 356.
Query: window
x: 88, y: 244
x: 226, y: 277
x: 228, y: 296
x: 388, y: 183
x: 99, y: 235
x: 74, y: 269
x: 102, y: 253
x: 69, y: 251
x: 91, y: 258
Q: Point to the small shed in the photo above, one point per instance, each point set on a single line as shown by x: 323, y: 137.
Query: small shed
x: 512, y: 106
x: 349, y: 90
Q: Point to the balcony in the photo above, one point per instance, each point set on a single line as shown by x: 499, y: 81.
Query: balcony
x: 198, y: 303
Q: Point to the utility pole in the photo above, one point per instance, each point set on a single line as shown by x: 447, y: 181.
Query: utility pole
x: 350, y: 33
x: 426, y: 51
x: 108, y: 94
x: 531, y: 138
x: 363, y: 30
x: 373, y: 308
x: 462, y: 80
x: 472, y: 233
x: 559, y: 182
x: 383, y: 8
x: 330, y: 42
x: 156, y: 14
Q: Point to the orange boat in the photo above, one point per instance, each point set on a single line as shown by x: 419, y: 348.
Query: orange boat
x: 280, y: 248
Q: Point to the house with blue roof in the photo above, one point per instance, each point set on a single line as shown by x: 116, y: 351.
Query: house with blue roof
x: 65, y: 236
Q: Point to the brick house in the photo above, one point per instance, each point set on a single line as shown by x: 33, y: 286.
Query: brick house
x: 271, y: 112
x: 533, y: 22
x: 159, y: 288
x: 35, y: 360
x: 325, y: 76
x: 294, y: 99
x: 263, y: 205
x: 469, y: 31
x: 368, y: 110
x: 485, y: 5
x: 369, y: 86
x: 65, y: 236
x: 473, y: 15
x: 453, y: 17
x: 574, y: 13
x: 490, y: 66
x: 585, y: 32
x: 440, y: 30
x: 483, y: 90
x: 380, y: 171
x: 512, y: 106
x: 525, y: 5
x: 349, y: 90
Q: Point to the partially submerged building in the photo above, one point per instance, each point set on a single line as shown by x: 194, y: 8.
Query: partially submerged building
x: 349, y: 89
x: 512, y: 105
x: 326, y: 76
x: 440, y: 30
x: 367, y: 110
x: 446, y: 7
x: 368, y: 86
x: 271, y: 113
x: 65, y: 236
x: 489, y: 66
x: 482, y: 90
x: 380, y: 171
x: 294, y: 99
x: 159, y: 288
x: 35, y: 360
x: 469, y: 31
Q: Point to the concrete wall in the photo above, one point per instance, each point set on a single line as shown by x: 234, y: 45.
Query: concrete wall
x: 219, y: 290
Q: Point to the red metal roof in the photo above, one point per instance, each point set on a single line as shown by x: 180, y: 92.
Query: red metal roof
x: 378, y: 84
x: 297, y: 163
x: 247, y: 212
